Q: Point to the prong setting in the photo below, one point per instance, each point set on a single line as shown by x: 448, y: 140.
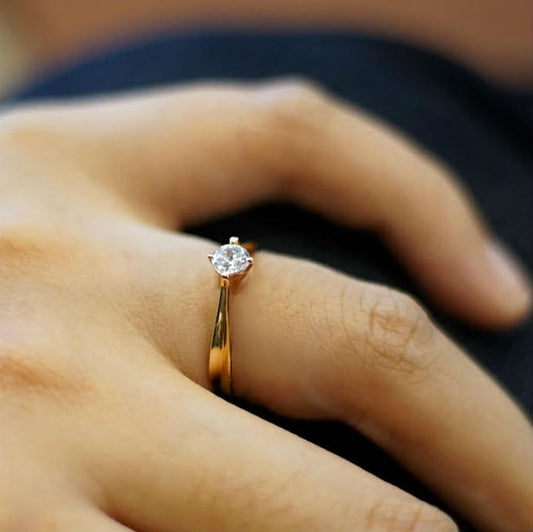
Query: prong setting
x: 231, y: 260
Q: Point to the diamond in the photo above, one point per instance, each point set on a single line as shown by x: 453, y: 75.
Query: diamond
x: 230, y: 259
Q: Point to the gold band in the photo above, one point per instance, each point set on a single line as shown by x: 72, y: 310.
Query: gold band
x: 232, y: 262
x: 220, y: 375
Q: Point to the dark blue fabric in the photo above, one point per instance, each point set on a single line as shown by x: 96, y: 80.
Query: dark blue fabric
x: 483, y: 132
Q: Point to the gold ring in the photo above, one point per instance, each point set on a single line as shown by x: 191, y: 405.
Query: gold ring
x: 232, y: 262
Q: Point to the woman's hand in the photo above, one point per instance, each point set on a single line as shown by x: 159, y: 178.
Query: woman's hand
x: 106, y: 317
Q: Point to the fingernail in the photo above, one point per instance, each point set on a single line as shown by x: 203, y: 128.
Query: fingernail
x: 510, y: 276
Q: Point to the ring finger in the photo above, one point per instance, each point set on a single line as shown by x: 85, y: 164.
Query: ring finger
x: 310, y: 342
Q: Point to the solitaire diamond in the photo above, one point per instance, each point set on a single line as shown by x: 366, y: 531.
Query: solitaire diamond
x: 230, y: 259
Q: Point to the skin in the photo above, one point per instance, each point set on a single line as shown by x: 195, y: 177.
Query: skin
x: 107, y: 310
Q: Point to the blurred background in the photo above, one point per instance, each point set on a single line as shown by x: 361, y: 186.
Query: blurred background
x: 492, y: 37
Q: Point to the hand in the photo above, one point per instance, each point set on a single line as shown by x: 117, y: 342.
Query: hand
x: 107, y: 315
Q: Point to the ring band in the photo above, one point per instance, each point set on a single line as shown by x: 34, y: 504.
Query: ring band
x: 232, y: 262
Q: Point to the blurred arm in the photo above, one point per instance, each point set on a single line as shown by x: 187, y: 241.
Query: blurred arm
x: 491, y: 36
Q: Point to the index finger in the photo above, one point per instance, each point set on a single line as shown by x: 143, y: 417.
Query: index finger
x: 184, y: 156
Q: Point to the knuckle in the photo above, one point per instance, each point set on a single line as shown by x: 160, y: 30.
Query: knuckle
x: 297, y: 108
x: 402, y: 516
x: 398, y: 333
x: 298, y: 118
x: 298, y: 90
